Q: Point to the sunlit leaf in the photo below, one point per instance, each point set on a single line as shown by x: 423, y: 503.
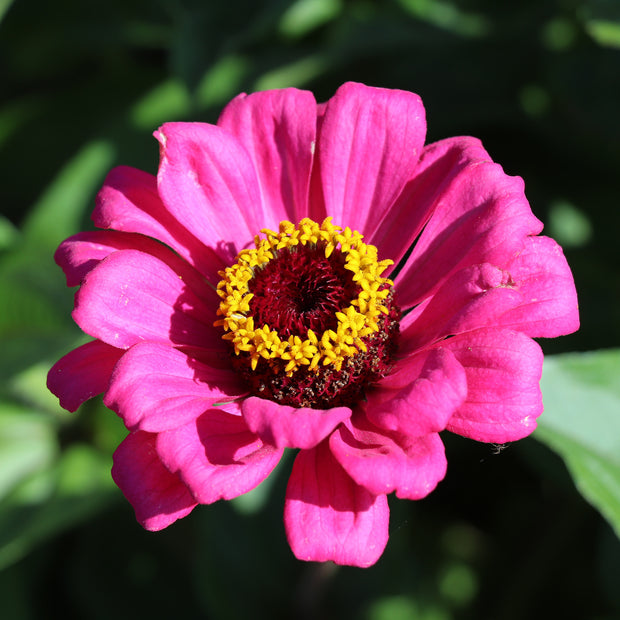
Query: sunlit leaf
x: 581, y: 422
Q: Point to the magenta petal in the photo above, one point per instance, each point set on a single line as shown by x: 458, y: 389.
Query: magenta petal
x: 155, y: 387
x: 132, y: 296
x: 278, y: 129
x: 217, y: 456
x: 158, y: 497
x: 207, y: 181
x: 503, y: 373
x: 472, y: 298
x: 481, y: 215
x: 549, y: 307
x: 82, y: 373
x: 419, y: 400
x: 129, y: 202
x: 327, y: 516
x: 369, y: 143
x: 291, y: 427
x: 81, y: 253
x: 383, y: 462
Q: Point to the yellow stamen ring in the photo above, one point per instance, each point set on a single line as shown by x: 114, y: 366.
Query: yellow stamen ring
x: 355, y: 322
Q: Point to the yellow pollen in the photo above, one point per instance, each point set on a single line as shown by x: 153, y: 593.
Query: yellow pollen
x: 355, y: 322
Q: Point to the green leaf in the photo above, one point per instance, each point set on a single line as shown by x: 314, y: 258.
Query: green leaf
x: 581, y: 422
x: 54, y: 499
x: 58, y: 212
x: 27, y: 444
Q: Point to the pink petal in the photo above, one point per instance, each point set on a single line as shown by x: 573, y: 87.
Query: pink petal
x: 481, y: 215
x: 549, y: 307
x: 158, y: 497
x: 82, y: 373
x: 503, y: 372
x: 473, y: 297
x: 81, y: 253
x: 369, y: 143
x: 383, y: 462
x: 129, y: 202
x: 216, y: 456
x: 132, y: 296
x: 291, y: 427
x: 327, y: 516
x: 155, y: 387
x: 403, y: 222
x: 278, y: 129
x: 420, y: 396
x: 207, y: 181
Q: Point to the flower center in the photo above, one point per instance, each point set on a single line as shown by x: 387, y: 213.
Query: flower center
x: 310, y: 320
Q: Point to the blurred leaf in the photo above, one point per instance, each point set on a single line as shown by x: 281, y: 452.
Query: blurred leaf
x: 305, y: 15
x: 568, y: 225
x: 4, y: 7
x: 166, y: 102
x: 27, y: 444
x: 54, y: 500
x: 604, y: 32
x: 58, y: 212
x: 581, y: 422
x: 8, y: 233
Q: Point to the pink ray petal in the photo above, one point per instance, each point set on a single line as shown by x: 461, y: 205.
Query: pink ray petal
x: 207, y: 181
x: 327, y: 516
x: 290, y: 427
x: 549, y: 306
x: 129, y: 202
x: 216, y: 456
x: 383, y: 462
x: 503, y: 394
x: 278, y: 129
x: 158, y: 497
x: 481, y: 215
x: 82, y: 373
x: 421, y: 396
x: 132, y: 296
x: 369, y: 143
x: 156, y: 387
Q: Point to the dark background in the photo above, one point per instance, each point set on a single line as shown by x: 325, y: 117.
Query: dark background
x: 83, y: 85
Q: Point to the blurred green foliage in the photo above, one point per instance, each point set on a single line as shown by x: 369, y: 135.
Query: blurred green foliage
x: 506, y: 535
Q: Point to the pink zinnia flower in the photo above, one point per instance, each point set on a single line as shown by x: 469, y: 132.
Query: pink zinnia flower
x: 220, y: 346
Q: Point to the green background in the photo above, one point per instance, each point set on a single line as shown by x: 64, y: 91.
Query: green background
x: 527, y: 531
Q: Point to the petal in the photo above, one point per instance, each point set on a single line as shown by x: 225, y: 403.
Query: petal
x: 216, y: 456
x: 132, y: 296
x: 82, y: 373
x: 421, y: 396
x: 369, y: 143
x: 549, y: 307
x: 327, y: 516
x: 158, y: 497
x: 278, y: 129
x: 207, y: 181
x: 129, y: 202
x: 81, y: 253
x: 291, y: 427
x: 473, y: 297
x: 383, y: 462
x: 480, y: 215
x: 503, y: 394
x: 155, y: 387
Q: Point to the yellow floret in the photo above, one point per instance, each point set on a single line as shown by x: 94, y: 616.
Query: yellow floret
x: 355, y: 322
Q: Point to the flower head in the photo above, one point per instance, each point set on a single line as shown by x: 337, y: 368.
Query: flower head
x: 310, y: 277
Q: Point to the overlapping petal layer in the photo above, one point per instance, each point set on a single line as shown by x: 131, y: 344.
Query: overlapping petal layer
x: 476, y: 285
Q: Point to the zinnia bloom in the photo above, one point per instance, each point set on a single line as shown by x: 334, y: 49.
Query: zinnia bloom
x: 311, y: 277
